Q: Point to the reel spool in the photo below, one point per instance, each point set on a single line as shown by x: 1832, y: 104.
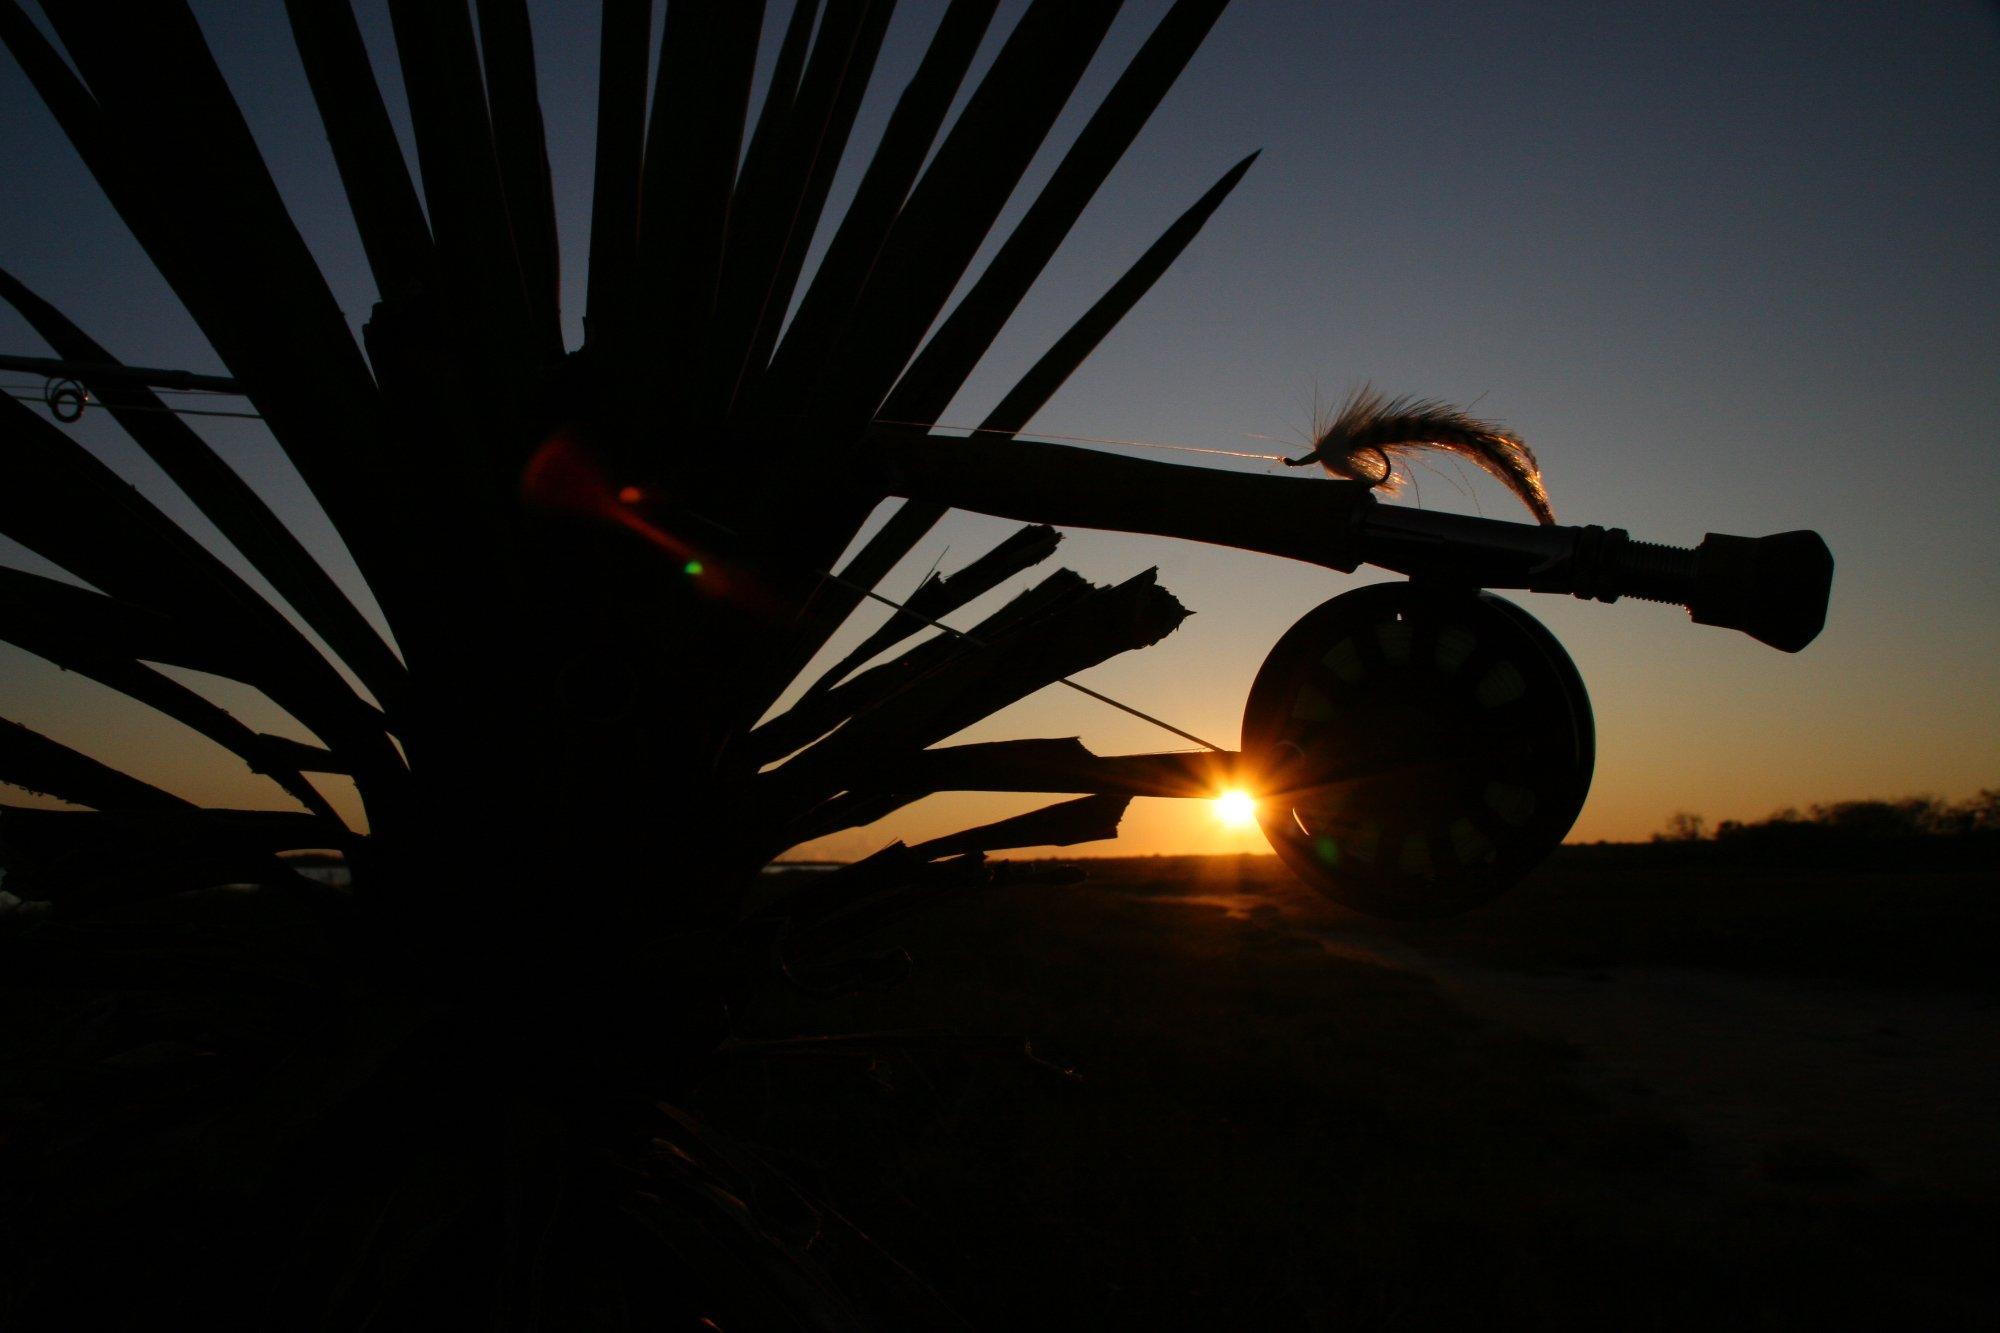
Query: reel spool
x: 1419, y: 748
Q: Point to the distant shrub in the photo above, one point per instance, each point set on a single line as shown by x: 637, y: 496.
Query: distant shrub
x: 1683, y: 826
x: 1848, y: 821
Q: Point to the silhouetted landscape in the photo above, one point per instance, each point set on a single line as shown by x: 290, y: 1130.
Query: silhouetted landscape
x: 1657, y: 1085
x: 1634, y: 1092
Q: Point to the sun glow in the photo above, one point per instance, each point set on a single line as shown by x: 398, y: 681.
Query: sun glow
x: 1236, y: 809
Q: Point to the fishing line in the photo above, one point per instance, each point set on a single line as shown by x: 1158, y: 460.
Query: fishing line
x: 38, y: 396
x: 28, y: 393
x: 213, y: 393
x: 979, y: 643
x: 1088, y: 439
x: 156, y: 388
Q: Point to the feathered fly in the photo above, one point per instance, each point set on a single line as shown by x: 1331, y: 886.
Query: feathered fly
x: 1371, y: 430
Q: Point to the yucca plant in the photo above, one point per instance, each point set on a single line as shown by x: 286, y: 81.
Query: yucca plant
x: 445, y: 1096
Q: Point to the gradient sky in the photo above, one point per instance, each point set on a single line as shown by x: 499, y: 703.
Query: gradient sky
x: 1727, y: 268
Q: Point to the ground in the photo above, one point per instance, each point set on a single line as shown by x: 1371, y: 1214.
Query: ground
x: 1639, y: 1092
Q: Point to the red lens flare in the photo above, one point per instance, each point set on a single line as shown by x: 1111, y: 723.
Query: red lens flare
x: 565, y: 477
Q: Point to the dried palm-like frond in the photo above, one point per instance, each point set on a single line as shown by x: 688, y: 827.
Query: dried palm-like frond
x: 1371, y: 431
x: 598, y: 568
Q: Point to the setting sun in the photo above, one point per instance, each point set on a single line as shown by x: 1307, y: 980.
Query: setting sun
x: 1236, y: 809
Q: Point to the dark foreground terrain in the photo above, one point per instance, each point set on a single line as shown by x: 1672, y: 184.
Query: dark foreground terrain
x: 1643, y: 1091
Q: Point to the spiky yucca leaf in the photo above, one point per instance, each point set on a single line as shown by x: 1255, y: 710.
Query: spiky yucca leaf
x: 236, y: 510
x: 863, y: 230
x: 908, y: 525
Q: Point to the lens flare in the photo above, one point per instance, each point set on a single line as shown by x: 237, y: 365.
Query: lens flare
x: 1236, y: 809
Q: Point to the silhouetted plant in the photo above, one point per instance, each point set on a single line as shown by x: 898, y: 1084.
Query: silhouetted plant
x: 446, y: 1095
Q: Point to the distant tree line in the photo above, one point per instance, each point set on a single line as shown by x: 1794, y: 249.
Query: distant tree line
x: 1906, y: 832
x: 1910, y: 817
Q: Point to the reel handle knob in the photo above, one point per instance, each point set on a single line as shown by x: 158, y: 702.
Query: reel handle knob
x: 1773, y: 588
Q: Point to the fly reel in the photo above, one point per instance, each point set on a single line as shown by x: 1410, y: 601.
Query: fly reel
x: 1421, y: 748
